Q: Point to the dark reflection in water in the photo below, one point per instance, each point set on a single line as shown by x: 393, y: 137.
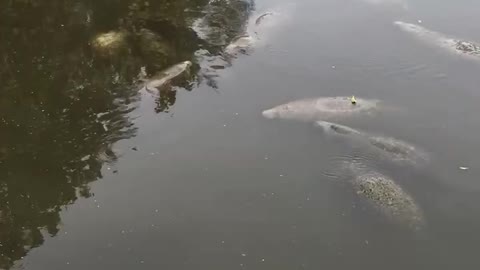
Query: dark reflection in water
x: 64, y: 102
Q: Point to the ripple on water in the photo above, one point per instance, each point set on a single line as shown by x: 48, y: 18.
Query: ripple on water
x: 336, y: 163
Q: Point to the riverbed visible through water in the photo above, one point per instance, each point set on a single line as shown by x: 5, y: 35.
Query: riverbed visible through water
x: 98, y: 171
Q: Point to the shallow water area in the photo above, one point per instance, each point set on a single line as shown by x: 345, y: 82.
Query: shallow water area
x: 97, y: 175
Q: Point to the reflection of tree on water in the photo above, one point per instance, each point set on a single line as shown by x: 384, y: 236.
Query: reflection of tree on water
x: 165, y: 36
x: 63, y: 104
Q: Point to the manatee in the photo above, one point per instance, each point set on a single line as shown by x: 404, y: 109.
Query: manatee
x: 400, y: 3
x: 322, y: 108
x: 461, y: 47
x: 240, y: 44
x: 394, y: 149
x: 398, y: 150
x: 330, y: 127
x: 261, y: 17
x: 164, y: 76
x: 110, y: 43
x: 385, y: 195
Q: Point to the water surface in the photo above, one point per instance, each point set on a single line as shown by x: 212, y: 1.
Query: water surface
x: 97, y: 175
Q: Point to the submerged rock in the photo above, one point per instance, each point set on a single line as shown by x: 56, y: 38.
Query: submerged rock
x: 323, y: 108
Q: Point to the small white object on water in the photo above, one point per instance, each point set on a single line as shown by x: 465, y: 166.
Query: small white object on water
x: 419, y: 21
x: 333, y: 67
x: 156, y: 210
x: 463, y: 168
x: 244, y: 254
x: 263, y: 260
x: 281, y: 175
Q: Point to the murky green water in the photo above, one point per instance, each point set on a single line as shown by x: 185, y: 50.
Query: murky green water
x: 97, y: 172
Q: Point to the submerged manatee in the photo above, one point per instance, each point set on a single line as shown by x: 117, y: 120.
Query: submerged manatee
x: 323, y: 108
x: 165, y: 76
x: 385, y: 195
x: 333, y: 128
x: 454, y: 45
x: 240, y: 44
x: 397, y: 3
x: 261, y: 17
x: 395, y: 150
x: 110, y: 43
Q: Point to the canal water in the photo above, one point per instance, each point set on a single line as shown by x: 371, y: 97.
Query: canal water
x: 96, y: 172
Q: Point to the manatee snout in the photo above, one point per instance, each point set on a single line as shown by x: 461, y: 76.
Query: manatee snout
x: 270, y: 114
x: 322, y: 125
